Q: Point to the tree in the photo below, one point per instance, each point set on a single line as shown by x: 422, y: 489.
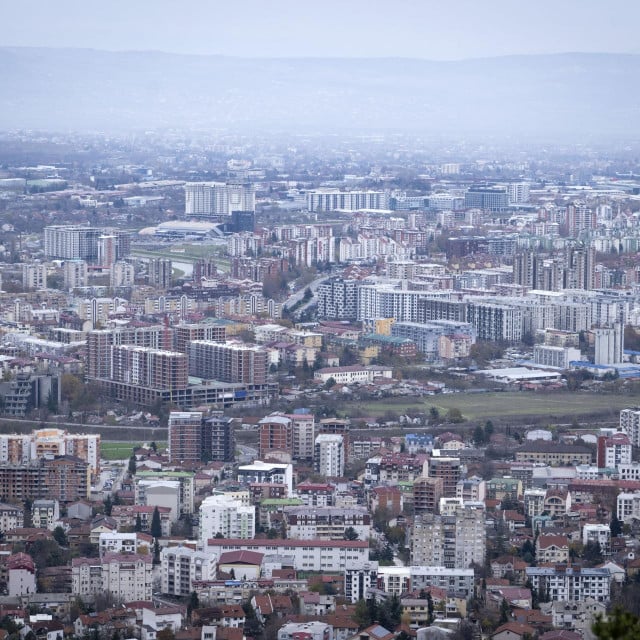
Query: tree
x: 434, y: 414
x: 154, y: 446
x: 505, y: 611
x: 132, y: 465
x: 138, y: 525
x: 454, y: 415
x: 194, y: 603
x: 478, y: 435
x: 156, y: 526
x: 361, y: 614
x: 430, y: 614
x: 620, y: 625
x: 330, y: 383
x: 592, y: 553
x: 350, y: 534
x: 60, y: 536
x: 488, y: 430
x: 108, y: 505
x: 615, y: 526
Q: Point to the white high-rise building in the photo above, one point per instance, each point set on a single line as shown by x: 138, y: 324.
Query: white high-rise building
x: 76, y: 274
x: 335, y: 200
x: 329, y: 455
x: 34, y: 276
x: 609, y: 344
x: 222, y: 514
x: 182, y: 566
x: 122, y: 275
x: 205, y: 199
x: 630, y: 424
x: 453, y: 541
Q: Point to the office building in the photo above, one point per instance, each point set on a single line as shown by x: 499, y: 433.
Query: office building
x: 487, y: 198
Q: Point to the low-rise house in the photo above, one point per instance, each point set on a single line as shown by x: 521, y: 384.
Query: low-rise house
x: 552, y: 549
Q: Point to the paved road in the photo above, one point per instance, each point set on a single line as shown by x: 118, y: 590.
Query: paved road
x: 299, y: 295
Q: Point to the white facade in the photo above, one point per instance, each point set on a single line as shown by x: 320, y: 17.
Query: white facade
x: 45, y: 514
x: 571, y: 585
x: 75, y: 273
x: 326, y: 523
x: 558, y: 357
x: 125, y: 577
x: 11, y: 517
x: 218, y: 198
x: 272, y: 472
x: 181, y: 566
x: 630, y: 424
x: 222, y: 514
x: 307, y: 555
x: 329, y: 455
x: 628, y: 506
x: 600, y: 533
x: 124, y: 543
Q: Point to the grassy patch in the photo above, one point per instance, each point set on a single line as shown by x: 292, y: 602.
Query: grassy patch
x: 117, y: 450
x: 510, y: 406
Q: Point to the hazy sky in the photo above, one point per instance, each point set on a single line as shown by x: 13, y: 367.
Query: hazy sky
x: 443, y: 29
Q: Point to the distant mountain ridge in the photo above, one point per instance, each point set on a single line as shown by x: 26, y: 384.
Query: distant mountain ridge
x: 574, y: 94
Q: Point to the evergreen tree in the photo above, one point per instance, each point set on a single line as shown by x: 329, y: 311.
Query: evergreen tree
x: 615, y: 526
x: 430, y: 613
x: 138, y: 526
x: 60, y: 536
x: 108, y: 505
x: 132, y: 465
x: 156, y: 526
x: 619, y: 625
x: 478, y: 435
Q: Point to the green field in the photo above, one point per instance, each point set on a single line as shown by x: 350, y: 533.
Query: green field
x: 116, y: 450
x: 508, y: 406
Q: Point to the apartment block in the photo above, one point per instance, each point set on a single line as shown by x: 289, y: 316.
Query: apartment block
x: 180, y: 567
x: 326, y: 523
x: 308, y: 555
x: 228, y: 362
x: 126, y: 577
x: 185, y: 436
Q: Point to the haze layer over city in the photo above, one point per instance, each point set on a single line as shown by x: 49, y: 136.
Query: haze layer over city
x: 319, y: 322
